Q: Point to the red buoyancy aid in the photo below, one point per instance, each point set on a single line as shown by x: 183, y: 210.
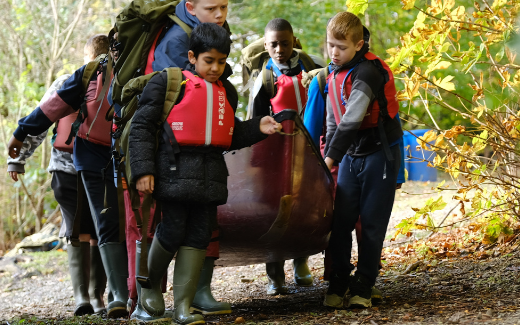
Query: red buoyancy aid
x: 95, y: 128
x: 290, y: 93
x: 63, y: 131
x: 204, y: 117
x: 343, y: 81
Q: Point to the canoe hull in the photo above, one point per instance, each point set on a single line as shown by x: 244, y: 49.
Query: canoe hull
x: 280, y: 199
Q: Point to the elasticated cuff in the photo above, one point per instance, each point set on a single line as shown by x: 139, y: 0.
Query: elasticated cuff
x: 19, y: 168
x: 19, y: 134
x: 335, y: 154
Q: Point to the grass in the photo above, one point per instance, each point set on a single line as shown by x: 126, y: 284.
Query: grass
x: 46, y: 262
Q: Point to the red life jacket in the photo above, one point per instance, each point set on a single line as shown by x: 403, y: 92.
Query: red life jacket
x: 63, y: 131
x: 290, y: 92
x: 95, y: 128
x: 384, y: 102
x: 203, y: 117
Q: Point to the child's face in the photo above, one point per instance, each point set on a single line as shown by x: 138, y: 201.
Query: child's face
x: 279, y: 44
x: 209, y: 65
x: 209, y: 11
x: 342, y: 51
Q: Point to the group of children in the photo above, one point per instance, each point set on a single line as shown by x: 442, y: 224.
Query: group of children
x: 178, y: 158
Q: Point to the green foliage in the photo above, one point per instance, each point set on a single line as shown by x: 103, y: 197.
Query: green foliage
x: 422, y: 218
x: 37, y: 46
x: 456, y: 67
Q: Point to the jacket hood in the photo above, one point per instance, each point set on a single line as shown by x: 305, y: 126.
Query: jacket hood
x: 366, y: 35
x: 185, y: 16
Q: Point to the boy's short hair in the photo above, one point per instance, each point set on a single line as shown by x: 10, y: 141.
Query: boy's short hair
x: 208, y: 36
x: 346, y: 24
x: 97, y: 45
x: 278, y: 25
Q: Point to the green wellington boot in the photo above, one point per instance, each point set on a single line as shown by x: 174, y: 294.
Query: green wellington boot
x: 79, y: 266
x: 98, y: 281
x: 152, y: 300
x: 188, y: 265
x: 302, y: 274
x: 115, y: 261
x: 139, y: 313
x: 276, y: 278
x: 204, y: 301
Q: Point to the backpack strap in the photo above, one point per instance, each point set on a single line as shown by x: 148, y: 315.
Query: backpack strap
x: 187, y: 29
x: 306, y: 60
x: 142, y: 277
x: 174, y: 84
x: 322, y: 81
x: 267, y: 79
x: 173, y: 90
x: 91, y: 68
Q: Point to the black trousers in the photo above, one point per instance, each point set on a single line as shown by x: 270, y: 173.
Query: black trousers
x: 65, y: 190
x: 185, y: 225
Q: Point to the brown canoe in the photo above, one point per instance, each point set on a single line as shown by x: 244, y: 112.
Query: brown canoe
x: 280, y: 199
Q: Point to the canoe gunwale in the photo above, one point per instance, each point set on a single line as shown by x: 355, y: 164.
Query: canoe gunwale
x: 290, y: 114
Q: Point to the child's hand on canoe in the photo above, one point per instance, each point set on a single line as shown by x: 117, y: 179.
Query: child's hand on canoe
x: 269, y: 126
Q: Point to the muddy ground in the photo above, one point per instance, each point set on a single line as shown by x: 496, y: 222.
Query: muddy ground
x: 477, y: 285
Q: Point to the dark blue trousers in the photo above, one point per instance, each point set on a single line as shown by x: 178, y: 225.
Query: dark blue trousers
x: 366, y: 190
x: 107, y: 224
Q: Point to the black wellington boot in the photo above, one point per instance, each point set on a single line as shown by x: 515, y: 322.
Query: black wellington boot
x: 152, y: 300
x: 79, y: 268
x: 188, y: 265
x: 139, y: 313
x: 276, y: 278
x: 98, y: 281
x: 204, y: 301
x: 115, y: 261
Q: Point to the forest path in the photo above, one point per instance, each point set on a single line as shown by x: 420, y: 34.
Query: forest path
x: 442, y: 290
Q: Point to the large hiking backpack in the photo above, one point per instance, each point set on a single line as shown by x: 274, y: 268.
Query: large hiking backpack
x: 137, y: 28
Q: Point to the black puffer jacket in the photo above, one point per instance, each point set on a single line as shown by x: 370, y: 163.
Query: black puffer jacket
x: 201, y: 175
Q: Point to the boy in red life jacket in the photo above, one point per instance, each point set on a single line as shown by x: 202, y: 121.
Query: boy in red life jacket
x: 287, y: 91
x: 187, y: 174
x: 171, y: 50
x: 287, y: 66
x: 314, y: 121
x: 362, y: 136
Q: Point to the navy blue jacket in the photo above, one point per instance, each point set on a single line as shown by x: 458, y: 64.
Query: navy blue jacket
x: 172, y: 50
